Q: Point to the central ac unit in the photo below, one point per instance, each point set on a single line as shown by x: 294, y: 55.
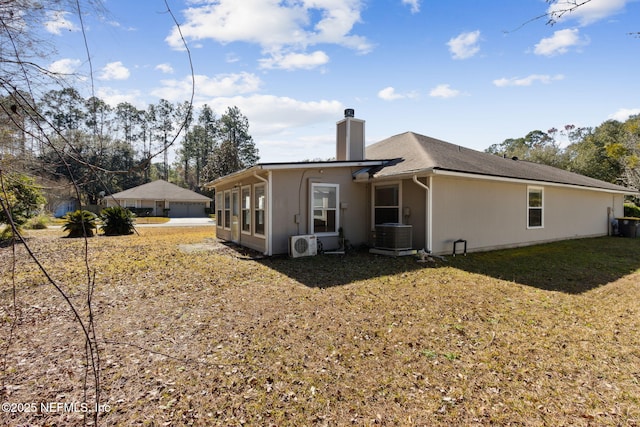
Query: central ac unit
x: 300, y: 246
x: 393, y: 236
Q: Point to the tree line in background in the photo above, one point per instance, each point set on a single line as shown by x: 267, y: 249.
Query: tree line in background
x: 609, y: 152
x: 65, y: 139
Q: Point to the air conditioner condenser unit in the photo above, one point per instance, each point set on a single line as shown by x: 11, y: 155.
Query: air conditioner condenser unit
x: 305, y: 245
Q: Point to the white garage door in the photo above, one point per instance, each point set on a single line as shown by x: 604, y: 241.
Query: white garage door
x: 186, y: 210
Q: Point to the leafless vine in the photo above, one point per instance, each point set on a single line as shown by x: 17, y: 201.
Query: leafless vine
x: 87, y: 322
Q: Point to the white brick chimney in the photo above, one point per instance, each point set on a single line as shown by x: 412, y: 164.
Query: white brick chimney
x: 350, y: 137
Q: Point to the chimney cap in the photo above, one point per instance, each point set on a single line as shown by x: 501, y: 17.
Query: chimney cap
x: 349, y: 112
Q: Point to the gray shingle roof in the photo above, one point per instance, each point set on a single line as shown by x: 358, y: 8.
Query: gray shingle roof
x: 419, y: 153
x: 161, y: 190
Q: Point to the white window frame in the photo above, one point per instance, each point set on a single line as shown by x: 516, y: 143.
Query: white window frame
x: 127, y: 203
x: 245, y: 210
x: 373, y: 200
x: 219, y: 209
x: 257, y: 208
x: 312, y: 208
x: 227, y: 210
x: 531, y: 188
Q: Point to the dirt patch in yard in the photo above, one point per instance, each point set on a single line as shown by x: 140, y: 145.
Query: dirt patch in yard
x: 212, y: 244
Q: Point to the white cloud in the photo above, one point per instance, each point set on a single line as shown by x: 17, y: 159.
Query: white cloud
x: 415, y: 5
x: 57, y: 21
x: 165, y: 68
x: 560, y: 42
x: 588, y: 12
x: 217, y: 86
x: 274, y: 25
x: 114, y: 71
x: 527, y: 81
x: 270, y: 114
x: 286, y: 129
x: 231, y: 58
x: 390, y: 94
x: 624, y: 113
x: 465, y: 45
x: 114, y: 97
x: 65, y: 66
x: 444, y: 91
x: 294, y: 61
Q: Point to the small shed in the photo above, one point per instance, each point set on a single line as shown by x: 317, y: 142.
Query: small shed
x: 163, y: 199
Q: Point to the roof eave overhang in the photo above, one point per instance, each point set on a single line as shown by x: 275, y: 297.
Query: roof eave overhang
x: 445, y: 172
x: 233, y: 176
x: 291, y: 166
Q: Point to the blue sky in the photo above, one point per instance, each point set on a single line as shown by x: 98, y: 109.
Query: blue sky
x: 464, y: 71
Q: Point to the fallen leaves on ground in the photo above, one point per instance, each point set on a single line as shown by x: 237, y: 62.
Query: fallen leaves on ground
x: 193, y: 332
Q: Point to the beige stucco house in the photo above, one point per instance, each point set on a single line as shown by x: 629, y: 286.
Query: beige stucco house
x: 433, y: 192
x: 163, y: 199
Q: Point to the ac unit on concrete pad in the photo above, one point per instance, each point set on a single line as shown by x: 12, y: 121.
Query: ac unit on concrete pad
x: 393, y: 236
x: 393, y: 239
x: 305, y: 245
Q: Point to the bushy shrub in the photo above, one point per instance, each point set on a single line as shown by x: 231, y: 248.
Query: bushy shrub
x: 6, y: 234
x: 80, y: 223
x: 39, y: 222
x: 22, y: 197
x: 631, y: 210
x: 117, y: 221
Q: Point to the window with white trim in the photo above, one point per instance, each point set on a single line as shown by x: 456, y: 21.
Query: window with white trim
x: 246, y: 209
x: 386, y: 203
x: 227, y: 209
x: 219, y: 205
x: 324, y: 208
x: 535, y: 207
x: 260, y: 202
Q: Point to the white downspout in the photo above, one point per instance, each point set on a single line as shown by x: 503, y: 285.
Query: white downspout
x: 268, y: 238
x: 427, y: 211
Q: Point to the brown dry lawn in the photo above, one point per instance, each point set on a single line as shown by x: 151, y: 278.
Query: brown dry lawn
x: 195, y: 333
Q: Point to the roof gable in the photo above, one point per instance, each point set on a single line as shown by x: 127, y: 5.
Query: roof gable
x: 420, y: 153
x: 160, y: 190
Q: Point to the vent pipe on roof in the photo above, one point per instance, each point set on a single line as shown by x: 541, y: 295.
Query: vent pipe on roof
x: 350, y: 137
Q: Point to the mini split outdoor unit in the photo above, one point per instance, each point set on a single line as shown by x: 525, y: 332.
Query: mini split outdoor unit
x: 396, y: 237
x: 300, y: 246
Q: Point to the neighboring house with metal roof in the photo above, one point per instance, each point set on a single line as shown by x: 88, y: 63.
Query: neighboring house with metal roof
x: 163, y: 199
x: 434, y: 192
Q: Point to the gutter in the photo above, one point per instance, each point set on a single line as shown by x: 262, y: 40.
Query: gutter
x: 268, y: 225
x: 445, y: 172
x: 427, y: 210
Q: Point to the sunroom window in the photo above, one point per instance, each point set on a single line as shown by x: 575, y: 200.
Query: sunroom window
x: 227, y: 209
x: 259, y: 208
x: 246, y: 209
x: 219, y: 205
